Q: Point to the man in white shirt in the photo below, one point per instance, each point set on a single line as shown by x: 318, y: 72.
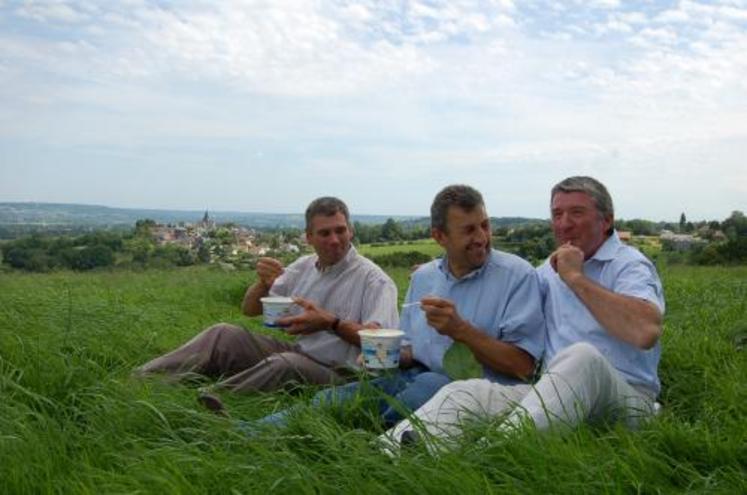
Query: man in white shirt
x: 339, y: 291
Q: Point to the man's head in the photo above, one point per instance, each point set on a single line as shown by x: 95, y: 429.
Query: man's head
x: 582, y: 213
x: 328, y: 229
x: 460, y: 224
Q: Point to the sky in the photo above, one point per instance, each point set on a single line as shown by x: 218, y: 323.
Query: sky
x: 261, y: 106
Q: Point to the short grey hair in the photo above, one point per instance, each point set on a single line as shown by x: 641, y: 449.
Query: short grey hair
x: 592, y: 187
x: 326, y: 206
x: 465, y: 197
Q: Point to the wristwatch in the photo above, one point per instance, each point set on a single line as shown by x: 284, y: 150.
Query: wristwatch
x: 335, y: 324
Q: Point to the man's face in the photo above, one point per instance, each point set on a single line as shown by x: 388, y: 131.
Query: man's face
x: 575, y: 219
x: 330, y: 237
x: 466, y: 239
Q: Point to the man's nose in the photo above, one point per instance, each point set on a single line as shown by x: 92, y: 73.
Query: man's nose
x: 481, y: 236
x: 563, y: 221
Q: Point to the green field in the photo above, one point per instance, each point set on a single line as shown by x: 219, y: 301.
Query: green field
x: 72, y: 420
x: 426, y: 246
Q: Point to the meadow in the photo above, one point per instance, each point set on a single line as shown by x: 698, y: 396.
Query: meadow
x: 74, y: 420
x: 426, y: 246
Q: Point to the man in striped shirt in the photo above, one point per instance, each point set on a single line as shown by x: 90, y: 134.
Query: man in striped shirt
x: 338, y: 291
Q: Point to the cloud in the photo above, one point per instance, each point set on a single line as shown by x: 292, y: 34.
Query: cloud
x: 53, y: 11
x: 605, y: 4
x: 446, y: 88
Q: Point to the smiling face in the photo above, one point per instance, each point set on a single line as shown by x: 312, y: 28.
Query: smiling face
x: 466, y: 238
x: 575, y: 219
x: 330, y: 236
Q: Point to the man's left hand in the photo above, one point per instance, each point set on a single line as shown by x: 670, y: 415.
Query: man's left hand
x: 442, y: 315
x: 311, y: 320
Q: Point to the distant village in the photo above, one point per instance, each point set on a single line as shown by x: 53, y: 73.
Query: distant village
x: 227, y: 243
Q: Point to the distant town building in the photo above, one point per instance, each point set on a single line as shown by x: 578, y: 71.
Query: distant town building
x: 679, y: 242
x: 224, y: 243
x: 207, y: 222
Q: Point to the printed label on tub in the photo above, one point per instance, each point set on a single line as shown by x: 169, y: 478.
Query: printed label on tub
x: 274, y: 308
x: 380, y: 348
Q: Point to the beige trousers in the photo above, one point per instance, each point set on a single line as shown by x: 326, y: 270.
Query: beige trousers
x: 579, y: 384
x: 245, y: 361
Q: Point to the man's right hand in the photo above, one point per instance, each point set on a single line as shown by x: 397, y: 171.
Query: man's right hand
x: 568, y: 261
x: 268, y: 269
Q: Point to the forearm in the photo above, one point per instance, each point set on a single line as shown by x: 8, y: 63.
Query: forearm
x: 499, y: 356
x: 348, y: 331
x: 632, y: 320
x: 251, y: 305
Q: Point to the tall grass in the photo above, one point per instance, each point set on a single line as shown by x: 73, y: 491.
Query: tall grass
x: 72, y: 420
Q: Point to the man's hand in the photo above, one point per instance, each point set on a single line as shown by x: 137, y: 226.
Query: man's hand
x: 568, y: 261
x: 268, y: 269
x: 405, y: 357
x: 442, y: 315
x: 311, y: 320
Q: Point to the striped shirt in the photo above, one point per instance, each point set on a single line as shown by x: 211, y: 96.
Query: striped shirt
x: 353, y: 289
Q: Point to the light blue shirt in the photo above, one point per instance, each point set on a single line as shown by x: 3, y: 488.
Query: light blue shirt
x: 501, y: 298
x: 623, y: 270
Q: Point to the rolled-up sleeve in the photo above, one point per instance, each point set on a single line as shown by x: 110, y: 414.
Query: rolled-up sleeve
x: 639, y: 279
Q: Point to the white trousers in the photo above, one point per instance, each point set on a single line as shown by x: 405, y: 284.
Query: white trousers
x: 579, y: 384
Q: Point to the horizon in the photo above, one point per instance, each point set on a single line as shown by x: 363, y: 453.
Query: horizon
x: 396, y: 216
x: 247, y: 106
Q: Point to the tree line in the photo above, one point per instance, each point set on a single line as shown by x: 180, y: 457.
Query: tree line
x: 532, y: 240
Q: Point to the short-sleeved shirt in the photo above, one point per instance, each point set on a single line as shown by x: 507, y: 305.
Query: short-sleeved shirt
x: 501, y: 298
x: 354, y: 289
x: 623, y: 270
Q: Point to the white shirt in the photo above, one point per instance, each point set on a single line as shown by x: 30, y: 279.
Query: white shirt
x: 353, y: 289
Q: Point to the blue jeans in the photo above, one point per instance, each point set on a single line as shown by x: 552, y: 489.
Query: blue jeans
x: 410, y: 389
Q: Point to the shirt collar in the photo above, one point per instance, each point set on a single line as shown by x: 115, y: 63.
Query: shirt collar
x: 443, y: 265
x: 340, y: 265
x: 608, y: 249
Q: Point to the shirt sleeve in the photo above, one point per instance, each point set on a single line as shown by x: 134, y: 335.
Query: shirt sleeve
x: 523, y: 321
x: 380, y: 303
x: 639, y: 279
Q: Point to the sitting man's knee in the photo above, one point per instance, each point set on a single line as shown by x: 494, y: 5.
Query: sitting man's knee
x: 579, y: 355
x: 583, y: 351
x: 223, y: 329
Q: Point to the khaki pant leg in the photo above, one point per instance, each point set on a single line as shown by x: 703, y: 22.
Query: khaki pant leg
x: 579, y: 385
x: 444, y: 415
x: 221, y: 349
x: 279, y: 371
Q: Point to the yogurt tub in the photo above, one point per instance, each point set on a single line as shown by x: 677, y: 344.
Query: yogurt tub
x: 274, y: 308
x: 380, y: 348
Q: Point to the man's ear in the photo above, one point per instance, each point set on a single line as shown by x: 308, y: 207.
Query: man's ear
x: 609, y: 223
x: 439, y: 236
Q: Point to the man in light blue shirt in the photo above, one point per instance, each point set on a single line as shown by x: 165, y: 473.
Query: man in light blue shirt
x: 603, y: 304
x: 483, y: 298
